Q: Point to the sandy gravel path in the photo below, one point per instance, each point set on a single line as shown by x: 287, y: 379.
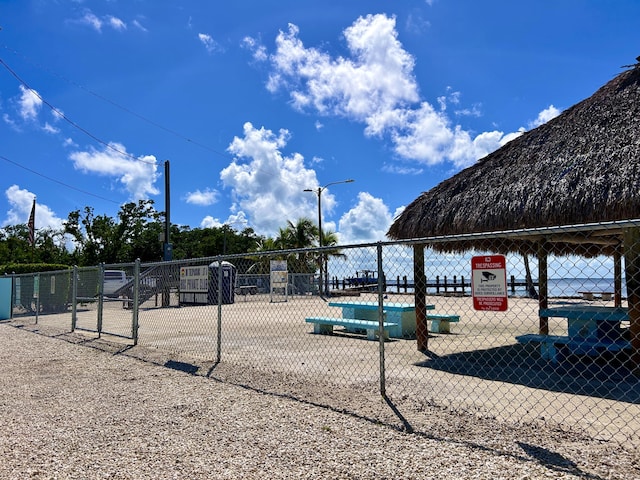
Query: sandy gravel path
x: 79, y: 408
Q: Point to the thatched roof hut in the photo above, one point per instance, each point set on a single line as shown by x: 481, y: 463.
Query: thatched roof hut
x: 580, y: 167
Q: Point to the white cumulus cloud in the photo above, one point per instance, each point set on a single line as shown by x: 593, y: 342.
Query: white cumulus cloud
x: 20, y: 203
x: 367, y: 222
x: 375, y: 85
x: 92, y: 21
x: 116, y: 23
x: 30, y: 103
x: 137, y: 175
x: 205, y: 198
x: 544, y: 116
x: 207, y: 40
x: 377, y: 77
x: 267, y: 185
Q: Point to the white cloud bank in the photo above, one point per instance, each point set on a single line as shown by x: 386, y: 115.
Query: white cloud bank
x: 376, y: 86
x: 20, y: 204
x: 373, y: 85
x: 267, y: 185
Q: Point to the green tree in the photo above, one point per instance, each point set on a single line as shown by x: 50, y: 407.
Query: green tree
x: 14, y: 245
x: 301, y: 234
x: 139, y: 228
x: 209, y: 242
x: 49, y: 246
x: 99, y: 238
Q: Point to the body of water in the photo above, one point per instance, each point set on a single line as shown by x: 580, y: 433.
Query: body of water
x: 569, y: 287
x: 558, y: 287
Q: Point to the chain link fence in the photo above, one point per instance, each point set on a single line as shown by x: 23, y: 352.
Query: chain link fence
x: 349, y: 316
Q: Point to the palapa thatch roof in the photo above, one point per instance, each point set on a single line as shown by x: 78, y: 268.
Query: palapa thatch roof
x: 581, y: 167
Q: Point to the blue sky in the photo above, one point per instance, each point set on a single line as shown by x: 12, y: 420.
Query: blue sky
x: 252, y: 102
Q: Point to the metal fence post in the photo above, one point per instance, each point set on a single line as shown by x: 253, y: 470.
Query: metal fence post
x: 74, y: 298
x: 381, y: 320
x: 136, y: 298
x: 219, y: 337
x: 13, y: 293
x: 36, y: 292
x: 100, y: 299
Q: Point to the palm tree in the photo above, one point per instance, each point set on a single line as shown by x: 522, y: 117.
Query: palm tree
x: 301, y: 234
x: 329, y: 239
x: 261, y: 262
x: 531, y: 289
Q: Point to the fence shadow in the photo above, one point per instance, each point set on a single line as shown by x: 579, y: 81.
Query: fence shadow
x: 605, y: 377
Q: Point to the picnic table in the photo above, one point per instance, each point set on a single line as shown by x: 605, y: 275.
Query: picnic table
x: 399, y: 321
x: 604, y: 296
x: 590, y: 331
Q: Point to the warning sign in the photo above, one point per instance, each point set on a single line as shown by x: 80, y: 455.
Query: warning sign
x: 489, y: 283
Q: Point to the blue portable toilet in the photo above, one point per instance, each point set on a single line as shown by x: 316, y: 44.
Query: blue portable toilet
x: 228, y: 282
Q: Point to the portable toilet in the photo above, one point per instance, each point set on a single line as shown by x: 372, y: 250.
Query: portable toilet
x: 228, y: 282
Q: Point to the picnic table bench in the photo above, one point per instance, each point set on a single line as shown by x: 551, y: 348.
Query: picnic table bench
x: 324, y: 325
x: 604, y: 296
x: 441, y: 322
x: 591, y: 330
x: 550, y: 345
x: 399, y: 319
x: 400, y: 316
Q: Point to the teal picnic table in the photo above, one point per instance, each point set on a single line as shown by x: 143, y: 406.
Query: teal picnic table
x: 401, y: 316
x: 591, y: 330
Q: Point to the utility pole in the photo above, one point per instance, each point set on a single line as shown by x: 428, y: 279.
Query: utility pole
x: 322, y: 263
x: 167, y: 247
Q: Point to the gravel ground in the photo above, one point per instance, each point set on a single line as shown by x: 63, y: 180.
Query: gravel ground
x: 84, y: 408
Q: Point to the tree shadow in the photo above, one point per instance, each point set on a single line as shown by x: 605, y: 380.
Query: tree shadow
x: 182, y: 366
x: 554, y: 461
x: 605, y: 376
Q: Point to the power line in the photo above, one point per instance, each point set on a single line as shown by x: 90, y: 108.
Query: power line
x: 69, y: 121
x: 121, y: 107
x: 111, y: 102
x: 66, y: 185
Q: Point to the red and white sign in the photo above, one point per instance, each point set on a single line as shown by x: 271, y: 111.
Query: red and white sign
x: 489, y: 282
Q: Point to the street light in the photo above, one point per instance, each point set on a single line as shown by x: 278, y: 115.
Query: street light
x: 319, y: 191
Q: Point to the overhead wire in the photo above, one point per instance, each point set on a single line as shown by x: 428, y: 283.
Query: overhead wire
x: 89, y: 134
x: 117, y: 105
x: 68, y: 120
x: 121, y: 107
x: 57, y: 181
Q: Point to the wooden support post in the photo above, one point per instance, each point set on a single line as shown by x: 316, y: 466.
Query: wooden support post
x: 420, y: 298
x: 617, y: 277
x: 632, y: 274
x: 543, y: 299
